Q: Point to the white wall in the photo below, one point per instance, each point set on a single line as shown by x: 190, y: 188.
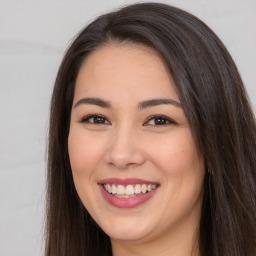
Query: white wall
x: 33, y: 37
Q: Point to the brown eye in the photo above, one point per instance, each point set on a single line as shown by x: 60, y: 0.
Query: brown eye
x: 95, y: 119
x: 159, y: 121
x: 98, y: 120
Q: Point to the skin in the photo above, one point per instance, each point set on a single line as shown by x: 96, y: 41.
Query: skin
x: 127, y: 143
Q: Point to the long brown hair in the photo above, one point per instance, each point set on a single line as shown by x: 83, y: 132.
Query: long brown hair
x: 216, y: 106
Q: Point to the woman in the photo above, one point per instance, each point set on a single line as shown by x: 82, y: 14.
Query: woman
x: 152, y: 141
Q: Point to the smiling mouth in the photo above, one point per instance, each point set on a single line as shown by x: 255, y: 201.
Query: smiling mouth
x: 128, y: 191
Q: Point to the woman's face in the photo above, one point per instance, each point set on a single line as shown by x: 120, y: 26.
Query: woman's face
x: 129, y: 135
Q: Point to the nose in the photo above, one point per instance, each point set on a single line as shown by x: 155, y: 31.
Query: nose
x: 124, y: 150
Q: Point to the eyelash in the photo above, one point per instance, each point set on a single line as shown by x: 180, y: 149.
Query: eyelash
x: 167, y: 120
x: 87, y: 118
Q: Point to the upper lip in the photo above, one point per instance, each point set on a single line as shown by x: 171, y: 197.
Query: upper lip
x: 128, y: 181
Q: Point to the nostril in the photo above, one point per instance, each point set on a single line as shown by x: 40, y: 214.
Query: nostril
x: 124, y: 158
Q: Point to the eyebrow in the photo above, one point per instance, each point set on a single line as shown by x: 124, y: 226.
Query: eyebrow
x: 142, y: 105
x: 93, y: 101
x: 156, y: 102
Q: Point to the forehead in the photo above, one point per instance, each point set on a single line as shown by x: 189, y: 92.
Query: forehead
x: 127, y: 69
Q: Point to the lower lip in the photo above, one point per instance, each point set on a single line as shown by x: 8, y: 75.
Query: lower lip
x: 127, y: 202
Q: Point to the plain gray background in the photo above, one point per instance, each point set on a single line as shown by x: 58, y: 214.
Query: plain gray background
x: 33, y: 37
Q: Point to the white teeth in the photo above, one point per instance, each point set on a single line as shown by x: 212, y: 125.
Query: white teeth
x: 129, y: 190
x: 137, y: 189
x: 120, y: 190
x: 113, y: 189
x: 124, y: 196
x: 144, y: 188
x: 108, y: 188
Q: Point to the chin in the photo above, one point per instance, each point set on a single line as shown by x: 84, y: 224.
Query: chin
x: 127, y: 230
x: 127, y: 236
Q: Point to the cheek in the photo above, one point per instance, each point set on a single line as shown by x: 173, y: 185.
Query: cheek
x: 183, y: 170
x: 177, y: 155
x: 85, y: 156
x: 84, y: 153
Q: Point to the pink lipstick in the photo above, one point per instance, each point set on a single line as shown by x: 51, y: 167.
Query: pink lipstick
x: 127, y: 193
